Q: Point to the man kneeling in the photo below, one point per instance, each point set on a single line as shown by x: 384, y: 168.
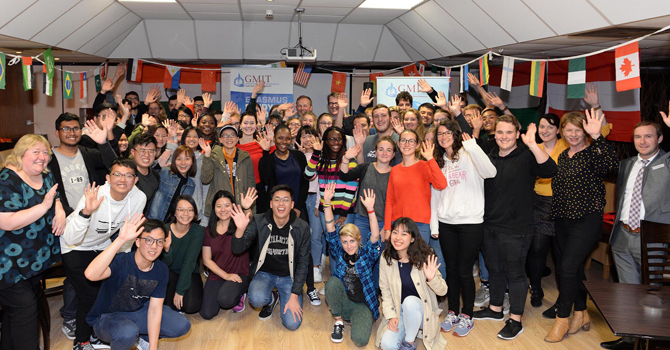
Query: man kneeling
x: 129, y: 307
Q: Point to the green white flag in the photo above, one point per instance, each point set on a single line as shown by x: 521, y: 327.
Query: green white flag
x: 576, y: 77
x: 49, y: 68
x: 27, y: 65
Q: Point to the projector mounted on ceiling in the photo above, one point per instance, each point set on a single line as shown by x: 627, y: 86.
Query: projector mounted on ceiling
x: 299, y: 53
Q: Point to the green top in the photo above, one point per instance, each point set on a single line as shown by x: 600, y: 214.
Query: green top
x: 183, y: 256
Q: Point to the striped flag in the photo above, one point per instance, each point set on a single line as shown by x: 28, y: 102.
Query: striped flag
x: 105, y: 70
x: 98, y: 80
x: 627, y: 65
x: 484, y: 70
x: 422, y: 67
x: 171, y: 77
x: 47, y: 87
x: 280, y: 64
x: 507, y: 73
x: 465, y: 85
x: 576, y: 77
x: 134, y: 73
x: 3, y: 66
x: 49, y: 69
x: 447, y: 73
x: 524, y: 106
x: 28, y: 80
x: 537, y: 72
x: 82, y: 86
x: 410, y: 70
x: 68, y: 88
x: 302, y: 74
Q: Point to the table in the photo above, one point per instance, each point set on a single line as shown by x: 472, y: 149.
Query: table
x: 619, y: 304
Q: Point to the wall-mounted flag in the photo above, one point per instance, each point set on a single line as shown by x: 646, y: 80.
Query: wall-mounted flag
x: 627, y: 66
x: 3, y: 66
x: 27, y: 67
x: 82, y: 86
x: 507, y: 73
x: 537, y: 71
x: 134, y: 72
x: 339, y: 82
x: 576, y: 77
x: 68, y: 89
x: 302, y: 74
x: 171, y: 77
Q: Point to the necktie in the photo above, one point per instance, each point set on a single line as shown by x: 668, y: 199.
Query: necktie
x: 636, y: 200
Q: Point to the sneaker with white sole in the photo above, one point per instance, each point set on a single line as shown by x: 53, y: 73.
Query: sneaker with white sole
x: 506, y: 304
x: 338, y: 332
x: 322, y: 291
x: 511, y: 330
x: 465, y: 325
x: 317, y: 275
x: 488, y: 314
x: 483, y: 295
x: 82, y: 346
x: 142, y: 344
x: 241, y: 306
x: 98, y: 344
x: 314, y: 297
x: 68, y: 328
x: 266, y: 311
x: 449, y: 322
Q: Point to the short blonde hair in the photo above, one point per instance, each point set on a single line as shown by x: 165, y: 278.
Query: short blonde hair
x: 25, y: 143
x: 472, y: 106
x: 352, y: 231
x: 575, y: 118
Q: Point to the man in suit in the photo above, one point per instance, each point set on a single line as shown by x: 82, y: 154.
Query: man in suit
x: 642, y: 183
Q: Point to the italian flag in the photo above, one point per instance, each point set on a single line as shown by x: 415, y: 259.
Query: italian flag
x: 622, y: 109
x: 524, y: 106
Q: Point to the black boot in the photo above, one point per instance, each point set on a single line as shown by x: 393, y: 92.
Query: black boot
x: 551, y: 312
x: 536, y: 295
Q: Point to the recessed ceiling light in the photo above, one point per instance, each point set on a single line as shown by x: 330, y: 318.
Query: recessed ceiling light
x: 148, y: 0
x: 56, y: 59
x: 18, y: 52
x: 390, y: 4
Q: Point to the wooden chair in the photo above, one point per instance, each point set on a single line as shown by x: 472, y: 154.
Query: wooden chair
x: 652, y: 232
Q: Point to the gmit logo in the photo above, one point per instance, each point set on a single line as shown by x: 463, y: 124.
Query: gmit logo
x: 239, y: 82
x: 391, y: 91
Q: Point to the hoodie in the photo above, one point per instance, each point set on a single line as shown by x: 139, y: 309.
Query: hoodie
x: 94, y: 233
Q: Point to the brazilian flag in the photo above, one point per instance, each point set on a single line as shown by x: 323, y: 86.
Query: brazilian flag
x: 68, y: 88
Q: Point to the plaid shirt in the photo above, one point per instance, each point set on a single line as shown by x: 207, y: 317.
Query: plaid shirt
x: 368, y: 256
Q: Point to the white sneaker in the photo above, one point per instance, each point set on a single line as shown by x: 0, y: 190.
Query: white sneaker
x: 322, y: 291
x: 142, y: 344
x: 317, y: 275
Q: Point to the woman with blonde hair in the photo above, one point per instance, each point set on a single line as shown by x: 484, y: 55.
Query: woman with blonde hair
x: 410, y: 119
x: 31, y: 215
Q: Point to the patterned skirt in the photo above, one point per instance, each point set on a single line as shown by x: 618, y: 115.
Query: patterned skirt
x: 544, y: 224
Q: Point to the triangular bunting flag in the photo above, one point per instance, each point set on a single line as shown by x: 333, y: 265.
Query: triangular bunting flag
x: 576, y: 77
x: 537, y: 71
x: 171, y: 77
x: 339, y: 82
x: 484, y: 70
x: 82, y: 86
x: 3, y: 67
x: 98, y: 80
x: 507, y: 73
x: 134, y: 72
x: 28, y: 80
x: 68, y: 89
x: 627, y: 66
x: 410, y: 70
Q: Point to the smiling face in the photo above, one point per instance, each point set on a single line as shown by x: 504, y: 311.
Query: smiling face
x: 35, y: 159
x: 184, y: 213
x: 153, y: 251
x: 154, y: 109
x: 134, y: 100
x: 222, y: 208
x: 308, y: 120
x: 547, y: 131
x: 506, y: 136
x: 439, y: 118
x: 334, y: 141
x: 646, y: 140
x: 303, y: 106
x: 183, y: 117
x: 161, y: 136
x: 123, y: 143
x: 72, y: 137
x: 574, y: 135
x: 426, y: 116
x: 404, y: 104
x: 349, y: 244
x: 283, y: 141
x: 408, y: 144
x: 489, y: 118
x: 191, y: 139
x: 121, y: 180
x: 228, y: 139
x: 183, y: 163
x: 281, y: 205
x: 401, y: 239
x: 445, y: 137
x: 385, y: 152
x: 294, y: 125
x: 411, y: 121
x: 381, y: 119
x: 248, y: 125
x: 325, y: 122
x: 333, y: 107
x: 306, y: 140
x: 207, y: 125
x: 144, y: 155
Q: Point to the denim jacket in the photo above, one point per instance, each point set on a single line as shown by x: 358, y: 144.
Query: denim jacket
x: 167, y: 188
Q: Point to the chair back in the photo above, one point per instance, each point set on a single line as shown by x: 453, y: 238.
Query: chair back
x: 655, y: 259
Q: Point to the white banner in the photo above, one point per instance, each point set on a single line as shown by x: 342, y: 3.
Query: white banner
x: 278, y: 86
x: 389, y: 87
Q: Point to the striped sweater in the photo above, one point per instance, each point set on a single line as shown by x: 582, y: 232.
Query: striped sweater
x: 345, y: 192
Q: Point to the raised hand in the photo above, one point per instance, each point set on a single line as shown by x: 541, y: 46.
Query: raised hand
x: 476, y: 120
x: 164, y: 159
x: 290, y: 112
x: 342, y: 101
x: 666, y: 118
x: 229, y: 107
x: 529, y: 137
x: 168, y: 243
x: 125, y: 113
x: 455, y: 105
x: 207, y: 99
x: 239, y: 217
x: 368, y: 199
x: 430, y: 267
x: 258, y: 88
x: 591, y: 95
x: 424, y: 86
x: 95, y: 133
x: 317, y: 145
x: 427, y: 150
x: 171, y: 126
x: 120, y: 70
x: 353, y: 152
x: 145, y: 120
x: 188, y: 101
x: 366, y: 97
x: 466, y: 136
x: 593, y: 122
x: 153, y: 95
x: 494, y: 100
x: 285, y: 106
x: 107, y: 86
x: 132, y: 228
x: 329, y: 193
x: 263, y: 141
x: 474, y: 81
x: 92, y: 202
x: 48, y: 200
x: 194, y: 121
x: 261, y: 115
x: 441, y: 101
x: 298, y: 146
x: 205, y: 147
x: 359, y: 135
x: 398, y: 127
x: 249, y: 198
x: 181, y: 94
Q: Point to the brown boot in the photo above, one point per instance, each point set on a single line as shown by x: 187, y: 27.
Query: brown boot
x: 558, y: 332
x: 581, y: 320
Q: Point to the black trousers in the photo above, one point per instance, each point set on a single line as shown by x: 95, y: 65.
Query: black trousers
x: 460, y: 247
x: 20, y: 326
x: 192, y: 298
x: 576, y: 238
x: 505, y: 257
x: 74, y: 264
x: 222, y: 295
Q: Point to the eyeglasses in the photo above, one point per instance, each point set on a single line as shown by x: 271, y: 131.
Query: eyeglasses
x: 280, y: 200
x: 67, y: 129
x: 228, y: 136
x: 334, y: 139
x: 325, y: 123
x: 332, y: 103
x: 150, y: 241
x: 409, y: 141
x: 118, y: 175
x: 445, y: 133
x: 143, y: 151
x: 184, y: 210
x: 132, y: 98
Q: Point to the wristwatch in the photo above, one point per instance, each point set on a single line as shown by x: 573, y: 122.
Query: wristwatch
x: 81, y: 213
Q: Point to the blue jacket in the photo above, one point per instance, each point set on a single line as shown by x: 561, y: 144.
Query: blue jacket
x: 169, y: 182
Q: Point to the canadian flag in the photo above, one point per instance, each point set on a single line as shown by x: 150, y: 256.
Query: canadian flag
x: 627, y: 67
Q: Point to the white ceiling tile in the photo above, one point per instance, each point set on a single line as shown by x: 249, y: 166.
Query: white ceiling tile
x: 11, y: 9
x: 94, y: 27
x: 277, y: 9
x: 332, y: 3
x: 356, y: 42
x: 36, y: 17
x: 622, y: 11
x: 71, y: 21
x: 260, y: 17
x: 409, y: 50
x: 564, y: 40
x: 135, y: 45
x: 171, y: 39
x: 424, y: 30
x: 372, y: 16
x: 109, y: 48
x: 153, y: 6
x: 318, y: 36
x: 326, y: 11
x: 221, y: 8
x: 567, y: 16
x: 658, y: 22
x: 267, y: 39
x: 411, y: 38
x: 163, y: 15
x: 449, y: 28
x: 227, y: 46
x: 320, y: 19
x: 112, y: 32
x: 484, y: 28
x: 389, y: 50
x: 507, y: 15
x: 212, y: 16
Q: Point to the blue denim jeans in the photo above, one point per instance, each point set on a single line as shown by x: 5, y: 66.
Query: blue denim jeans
x: 363, y: 224
x: 483, y: 271
x: 317, y: 231
x: 349, y: 220
x: 434, y: 243
x: 409, y: 323
x: 122, y: 329
x: 260, y: 294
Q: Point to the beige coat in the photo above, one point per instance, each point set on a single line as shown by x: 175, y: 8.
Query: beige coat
x: 391, y: 287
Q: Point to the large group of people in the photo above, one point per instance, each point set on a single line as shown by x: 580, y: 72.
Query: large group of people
x: 142, y: 203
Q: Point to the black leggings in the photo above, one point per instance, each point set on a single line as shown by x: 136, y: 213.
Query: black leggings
x: 20, y: 325
x: 220, y: 294
x: 192, y: 298
x: 537, y: 259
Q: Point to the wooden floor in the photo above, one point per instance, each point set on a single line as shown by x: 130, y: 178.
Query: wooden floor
x: 246, y: 331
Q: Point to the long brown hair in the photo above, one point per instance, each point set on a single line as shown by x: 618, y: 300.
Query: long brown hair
x: 418, y: 251
x: 456, y: 146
